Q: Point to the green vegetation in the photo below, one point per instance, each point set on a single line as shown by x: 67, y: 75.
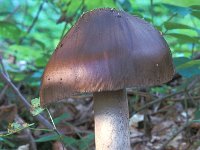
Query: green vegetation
x: 30, y: 31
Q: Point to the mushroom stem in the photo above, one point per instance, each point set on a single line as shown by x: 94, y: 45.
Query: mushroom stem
x: 111, y: 120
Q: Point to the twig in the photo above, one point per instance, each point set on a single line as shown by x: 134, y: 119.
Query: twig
x: 63, y: 31
x: 34, y: 21
x: 181, y: 99
x: 72, y: 17
x: 3, y: 92
x: 170, y: 18
x: 55, y: 129
x: 3, y: 67
x: 158, y: 100
x: 39, y: 117
x: 5, y: 78
x: 36, y: 17
x: 12, y: 13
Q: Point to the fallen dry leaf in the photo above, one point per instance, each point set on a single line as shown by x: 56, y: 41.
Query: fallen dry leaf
x: 58, y: 146
x: 8, y: 113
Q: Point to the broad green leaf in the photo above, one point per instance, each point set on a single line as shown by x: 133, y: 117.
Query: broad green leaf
x: 73, y: 7
x: 35, y: 107
x: 52, y: 137
x: 184, y: 38
x: 86, y: 141
x: 18, y: 76
x: 69, y: 140
x: 183, y: 11
x: 195, y: 7
x: 180, y: 60
x: 37, y: 74
x: 61, y: 117
x: 24, y: 52
x: 197, y: 115
x: 41, y: 62
x: 184, y: 3
x: 196, y: 14
x: 189, y: 68
x: 39, y: 43
x: 9, y: 30
x: 174, y: 25
x: 91, y: 4
x: 7, y: 142
x: 190, y: 64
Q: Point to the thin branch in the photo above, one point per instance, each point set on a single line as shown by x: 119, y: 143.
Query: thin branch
x: 3, y: 92
x: 170, y: 18
x: 36, y: 17
x: 39, y: 117
x: 34, y: 21
x: 188, y: 87
x: 3, y: 67
x: 55, y: 129
x: 158, y: 100
x: 63, y: 31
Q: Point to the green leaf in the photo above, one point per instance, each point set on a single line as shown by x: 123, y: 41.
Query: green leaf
x: 73, y: 7
x: 9, y: 30
x: 19, y: 76
x: 99, y: 4
x: 183, y: 11
x: 190, y: 64
x: 37, y: 74
x: 197, y: 115
x: 189, y: 68
x: 195, y: 7
x: 69, y: 140
x: 41, y: 62
x: 184, y: 3
x: 7, y: 142
x: 182, y: 38
x: 52, y: 137
x: 35, y: 107
x: 84, y: 143
x: 174, y: 25
x: 61, y: 117
x: 196, y: 14
x: 25, y: 52
x: 16, y: 127
x: 180, y: 60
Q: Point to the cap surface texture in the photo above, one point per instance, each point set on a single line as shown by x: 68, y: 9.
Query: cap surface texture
x: 106, y: 50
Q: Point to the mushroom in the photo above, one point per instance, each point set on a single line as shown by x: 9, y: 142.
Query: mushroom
x: 105, y: 52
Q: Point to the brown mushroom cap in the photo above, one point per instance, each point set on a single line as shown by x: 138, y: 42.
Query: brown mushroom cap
x: 106, y: 50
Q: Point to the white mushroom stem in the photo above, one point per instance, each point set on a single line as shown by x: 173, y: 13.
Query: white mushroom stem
x: 111, y: 120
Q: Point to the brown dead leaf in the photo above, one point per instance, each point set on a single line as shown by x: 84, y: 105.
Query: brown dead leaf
x: 140, y: 146
x: 8, y: 113
x: 195, y: 125
x: 163, y: 128
x: 58, y: 146
x: 176, y: 141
